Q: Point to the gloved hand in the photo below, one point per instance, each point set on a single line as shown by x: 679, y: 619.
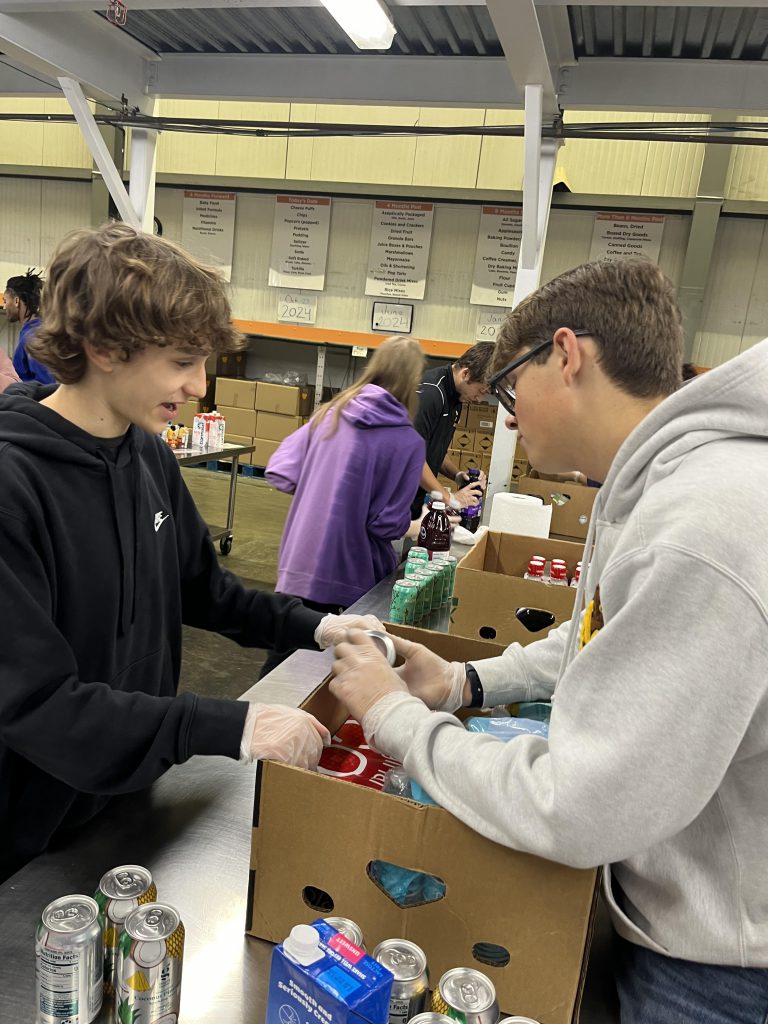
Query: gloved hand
x: 333, y: 628
x: 440, y: 684
x: 274, y: 732
x: 462, y: 479
x: 362, y: 675
x: 469, y: 495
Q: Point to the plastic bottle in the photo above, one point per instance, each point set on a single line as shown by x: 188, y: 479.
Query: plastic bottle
x: 470, y: 516
x: 535, y: 571
x: 435, y: 531
x: 558, y: 574
x: 575, y: 578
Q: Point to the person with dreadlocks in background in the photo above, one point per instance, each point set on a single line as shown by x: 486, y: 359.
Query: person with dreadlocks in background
x: 22, y: 305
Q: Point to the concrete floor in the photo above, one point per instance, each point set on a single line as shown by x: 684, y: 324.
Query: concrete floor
x: 213, y: 666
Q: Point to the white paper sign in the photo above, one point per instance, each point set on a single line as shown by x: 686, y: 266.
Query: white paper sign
x: 208, y: 228
x: 300, y: 242
x: 617, y: 236
x: 496, y: 256
x: 488, y: 325
x: 296, y: 307
x: 394, y: 317
x: 401, y: 234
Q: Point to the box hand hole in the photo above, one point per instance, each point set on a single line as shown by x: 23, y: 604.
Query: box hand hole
x: 534, y: 619
x: 317, y: 899
x: 490, y: 954
x: 404, y: 886
x: 487, y: 632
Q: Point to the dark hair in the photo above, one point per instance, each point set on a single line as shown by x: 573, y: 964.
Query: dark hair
x: 629, y: 307
x: 121, y: 289
x: 477, y: 360
x: 689, y: 371
x: 27, y: 287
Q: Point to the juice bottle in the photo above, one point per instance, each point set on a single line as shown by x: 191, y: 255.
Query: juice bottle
x: 470, y: 516
x: 435, y: 531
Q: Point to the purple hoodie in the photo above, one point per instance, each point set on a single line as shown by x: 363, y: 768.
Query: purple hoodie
x: 352, y: 496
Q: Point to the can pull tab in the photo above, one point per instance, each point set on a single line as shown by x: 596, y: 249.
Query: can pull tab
x: 65, y: 915
x: 468, y: 991
x: 403, y: 959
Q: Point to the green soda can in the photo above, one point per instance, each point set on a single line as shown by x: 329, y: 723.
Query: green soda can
x: 436, y: 597
x: 411, y: 568
x: 418, y: 554
x: 424, y: 596
x: 150, y: 952
x: 120, y: 891
x: 401, y: 607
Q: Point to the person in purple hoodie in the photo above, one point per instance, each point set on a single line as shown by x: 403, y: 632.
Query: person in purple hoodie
x: 353, y: 471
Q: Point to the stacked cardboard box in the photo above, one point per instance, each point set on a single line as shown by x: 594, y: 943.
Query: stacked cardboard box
x: 261, y: 414
x: 571, y: 504
x: 473, y: 436
x: 546, y: 935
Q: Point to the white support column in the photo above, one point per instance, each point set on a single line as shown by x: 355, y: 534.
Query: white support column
x: 540, y: 161
x: 99, y: 151
x: 142, y: 183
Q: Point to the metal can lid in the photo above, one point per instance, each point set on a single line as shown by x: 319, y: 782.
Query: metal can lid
x: 126, y: 882
x: 152, y: 921
x: 518, y: 1020
x: 431, y: 1017
x: 70, y: 914
x: 404, y: 584
x: 463, y: 988
x: 348, y: 928
x: 404, y: 959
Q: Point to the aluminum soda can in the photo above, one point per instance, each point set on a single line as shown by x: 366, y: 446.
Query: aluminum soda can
x: 418, y: 554
x: 519, y: 1020
x: 348, y: 928
x: 69, y: 961
x: 149, y: 961
x: 410, y: 989
x: 401, y: 608
x: 431, y: 1017
x: 384, y: 643
x: 466, y: 995
x: 120, y: 891
x: 424, y: 595
x: 435, y: 570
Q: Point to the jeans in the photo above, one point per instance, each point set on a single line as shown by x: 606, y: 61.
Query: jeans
x: 655, y: 989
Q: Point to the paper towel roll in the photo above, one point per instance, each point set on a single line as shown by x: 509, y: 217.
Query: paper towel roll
x: 520, y: 513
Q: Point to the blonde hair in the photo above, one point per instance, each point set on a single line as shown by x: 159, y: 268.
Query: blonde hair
x: 397, y: 366
x: 121, y: 289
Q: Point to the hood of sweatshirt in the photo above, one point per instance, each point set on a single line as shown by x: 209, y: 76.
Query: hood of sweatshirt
x: 27, y: 424
x: 376, y: 407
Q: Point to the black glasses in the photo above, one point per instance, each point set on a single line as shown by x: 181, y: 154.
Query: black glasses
x: 502, y: 389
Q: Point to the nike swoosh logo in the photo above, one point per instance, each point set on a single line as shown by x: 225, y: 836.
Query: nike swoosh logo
x: 159, y: 520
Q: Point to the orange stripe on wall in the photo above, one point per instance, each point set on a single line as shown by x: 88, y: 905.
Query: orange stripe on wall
x: 326, y: 336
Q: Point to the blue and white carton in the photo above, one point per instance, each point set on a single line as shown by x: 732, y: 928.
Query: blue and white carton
x: 319, y: 977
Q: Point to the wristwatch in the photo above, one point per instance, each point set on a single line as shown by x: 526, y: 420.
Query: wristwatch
x: 475, y: 687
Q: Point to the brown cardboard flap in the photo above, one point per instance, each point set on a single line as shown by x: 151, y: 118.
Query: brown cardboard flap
x: 570, y: 519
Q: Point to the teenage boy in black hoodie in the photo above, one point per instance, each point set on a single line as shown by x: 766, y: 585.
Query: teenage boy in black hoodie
x: 103, y: 555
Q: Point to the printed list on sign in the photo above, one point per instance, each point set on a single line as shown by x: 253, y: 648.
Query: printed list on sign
x: 401, y: 235
x: 208, y: 228
x: 300, y: 242
x: 498, y: 250
x: 618, y: 236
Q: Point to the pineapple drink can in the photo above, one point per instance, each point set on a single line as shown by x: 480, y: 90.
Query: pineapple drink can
x: 69, y: 961
x: 149, y: 961
x: 120, y: 891
x: 466, y: 995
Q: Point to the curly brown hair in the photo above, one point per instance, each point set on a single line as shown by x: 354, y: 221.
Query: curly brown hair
x: 121, y: 289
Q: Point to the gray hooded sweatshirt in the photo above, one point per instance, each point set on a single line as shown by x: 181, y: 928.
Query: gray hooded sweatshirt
x: 657, y: 760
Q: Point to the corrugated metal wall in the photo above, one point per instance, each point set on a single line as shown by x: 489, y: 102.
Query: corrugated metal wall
x: 36, y: 214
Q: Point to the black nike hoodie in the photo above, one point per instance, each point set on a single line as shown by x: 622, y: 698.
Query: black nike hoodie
x: 103, y: 556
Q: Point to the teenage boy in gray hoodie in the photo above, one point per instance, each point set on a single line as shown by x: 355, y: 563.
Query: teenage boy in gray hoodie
x: 656, y: 765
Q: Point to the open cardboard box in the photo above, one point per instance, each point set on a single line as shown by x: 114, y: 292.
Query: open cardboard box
x: 490, y: 588
x: 570, y: 519
x: 314, y: 834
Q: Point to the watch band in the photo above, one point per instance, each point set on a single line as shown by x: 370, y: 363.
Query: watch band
x: 475, y: 687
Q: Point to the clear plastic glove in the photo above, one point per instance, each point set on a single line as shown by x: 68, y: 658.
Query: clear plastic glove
x: 274, y: 732
x: 362, y: 675
x: 462, y: 479
x: 440, y: 684
x: 469, y: 495
x: 333, y: 628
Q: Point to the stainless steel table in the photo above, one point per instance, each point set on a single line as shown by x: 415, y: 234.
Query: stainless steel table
x: 195, y: 457
x: 192, y: 828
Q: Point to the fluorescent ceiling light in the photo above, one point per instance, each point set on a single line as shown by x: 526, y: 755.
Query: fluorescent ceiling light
x: 366, y: 22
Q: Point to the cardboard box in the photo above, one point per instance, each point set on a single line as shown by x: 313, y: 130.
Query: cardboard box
x: 462, y: 441
x: 485, y: 462
x: 211, y: 363
x: 315, y: 835
x: 239, y: 421
x: 483, y: 441
x: 263, y: 451
x: 570, y: 519
x: 240, y: 439
x: 274, y: 427
x: 284, y: 399
x: 470, y: 460
x: 235, y: 392
x: 186, y: 412
x: 520, y: 468
x: 231, y: 364
x: 481, y: 417
x: 490, y: 586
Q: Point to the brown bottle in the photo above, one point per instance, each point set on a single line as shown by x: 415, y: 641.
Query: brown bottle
x: 435, y: 531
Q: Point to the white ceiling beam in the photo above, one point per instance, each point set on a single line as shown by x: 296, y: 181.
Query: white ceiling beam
x: 655, y: 3
x: 18, y: 82
x: 106, y: 61
x: 519, y: 32
x: 394, y: 81
x: 54, y: 6
x: 702, y: 86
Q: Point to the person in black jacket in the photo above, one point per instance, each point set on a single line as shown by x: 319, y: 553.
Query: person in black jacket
x: 441, y: 394
x: 103, y: 555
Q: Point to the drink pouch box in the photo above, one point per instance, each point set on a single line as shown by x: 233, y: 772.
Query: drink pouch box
x: 340, y: 985
x: 350, y: 758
